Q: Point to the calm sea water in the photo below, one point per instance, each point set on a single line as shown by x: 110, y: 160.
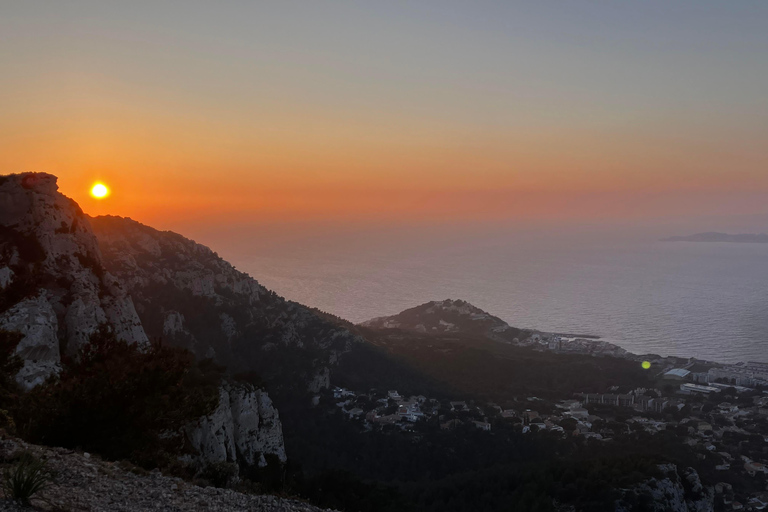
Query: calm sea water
x: 708, y: 300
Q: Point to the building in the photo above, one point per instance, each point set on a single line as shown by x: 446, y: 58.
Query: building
x: 578, y: 413
x: 459, y: 406
x: 342, y: 393
x: 691, y: 389
x: 753, y: 468
x: 742, y: 374
x: 483, y: 425
x: 610, y: 399
x: 677, y: 374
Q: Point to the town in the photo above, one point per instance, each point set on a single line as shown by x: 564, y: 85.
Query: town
x: 719, y: 412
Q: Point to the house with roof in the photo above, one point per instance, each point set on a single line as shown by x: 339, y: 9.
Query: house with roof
x: 459, y: 406
x: 753, y: 468
x: 483, y: 425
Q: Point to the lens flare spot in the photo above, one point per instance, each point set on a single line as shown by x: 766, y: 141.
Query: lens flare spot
x: 646, y: 365
x: 99, y: 190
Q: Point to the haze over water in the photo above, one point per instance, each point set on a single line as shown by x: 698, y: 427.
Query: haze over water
x: 708, y: 300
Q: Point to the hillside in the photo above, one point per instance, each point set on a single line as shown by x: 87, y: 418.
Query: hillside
x: 189, y: 296
x: 132, y: 305
x: 85, y: 482
x: 450, y: 317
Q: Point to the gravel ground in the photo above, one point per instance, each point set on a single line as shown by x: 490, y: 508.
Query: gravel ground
x: 85, y: 483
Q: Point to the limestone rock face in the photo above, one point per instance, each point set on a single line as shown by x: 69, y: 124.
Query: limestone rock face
x: 39, y: 348
x: 56, y: 289
x: 244, y: 428
x: 47, y: 245
x: 671, y: 493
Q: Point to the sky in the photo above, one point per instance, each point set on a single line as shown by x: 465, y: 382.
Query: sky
x: 241, y: 111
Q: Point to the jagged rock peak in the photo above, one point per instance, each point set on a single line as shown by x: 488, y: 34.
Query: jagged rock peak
x: 55, y: 290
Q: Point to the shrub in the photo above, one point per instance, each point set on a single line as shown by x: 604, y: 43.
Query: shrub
x: 121, y: 401
x: 27, y: 478
x: 220, y: 474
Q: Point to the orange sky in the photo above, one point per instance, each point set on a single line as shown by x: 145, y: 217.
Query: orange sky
x: 252, y: 115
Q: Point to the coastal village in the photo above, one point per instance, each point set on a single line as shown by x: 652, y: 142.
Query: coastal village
x: 719, y: 411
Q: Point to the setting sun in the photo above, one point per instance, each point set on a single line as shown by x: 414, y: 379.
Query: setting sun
x: 99, y: 191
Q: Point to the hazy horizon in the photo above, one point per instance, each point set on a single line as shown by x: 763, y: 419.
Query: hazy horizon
x: 491, y: 111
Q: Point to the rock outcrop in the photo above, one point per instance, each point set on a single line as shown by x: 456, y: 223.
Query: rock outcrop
x: 56, y: 290
x: 36, y: 320
x: 675, y: 492
x: 243, y: 429
x: 53, y: 280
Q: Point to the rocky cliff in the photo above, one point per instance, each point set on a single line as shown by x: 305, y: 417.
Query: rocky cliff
x: 55, y: 290
x: 186, y: 294
x: 244, y: 428
x: 676, y: 491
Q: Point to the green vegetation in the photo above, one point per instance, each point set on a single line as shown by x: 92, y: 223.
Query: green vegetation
x: 479, y: 368
x: 25, y: 479
x: 120, y: 401
x: 465, y: 468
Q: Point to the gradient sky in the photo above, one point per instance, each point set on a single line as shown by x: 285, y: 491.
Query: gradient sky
x: 213, y: 111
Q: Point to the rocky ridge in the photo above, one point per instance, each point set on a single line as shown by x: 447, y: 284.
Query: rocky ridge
x: 188, y: 295
x: 84, y: 482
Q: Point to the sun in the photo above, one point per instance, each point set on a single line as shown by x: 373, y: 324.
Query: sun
x: 99, y: 190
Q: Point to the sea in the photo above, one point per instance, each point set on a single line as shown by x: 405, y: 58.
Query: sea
x: 688, y: 299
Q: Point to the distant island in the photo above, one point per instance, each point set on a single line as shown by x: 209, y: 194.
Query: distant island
x: 720, y: 237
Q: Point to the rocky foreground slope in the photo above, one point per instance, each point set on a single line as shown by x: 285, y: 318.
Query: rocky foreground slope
x: 84, y: 482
